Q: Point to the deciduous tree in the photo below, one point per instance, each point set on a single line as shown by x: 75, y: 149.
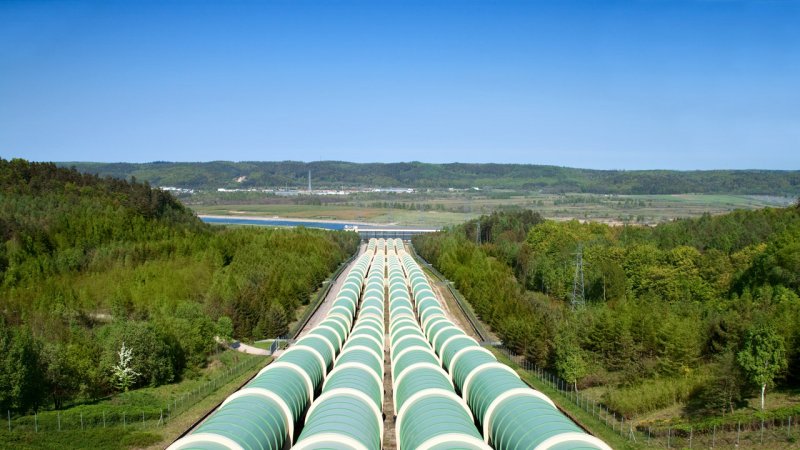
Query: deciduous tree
x: 763, y: 357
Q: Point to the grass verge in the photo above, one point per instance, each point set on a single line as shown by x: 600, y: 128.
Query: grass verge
x: 594, y: 425
x: 176, y: 427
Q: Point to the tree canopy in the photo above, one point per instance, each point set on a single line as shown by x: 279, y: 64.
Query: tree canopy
x: 763, y: 357
x: 88, y: 264
x: 675, y: 303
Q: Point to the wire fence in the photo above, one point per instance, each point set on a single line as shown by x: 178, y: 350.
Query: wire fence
x: 86, y: 417
x: 752, y: 432
x: 275, y: 344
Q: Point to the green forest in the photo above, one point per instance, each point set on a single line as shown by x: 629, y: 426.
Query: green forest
x: 107, y: 285
x: 701, y: 313
x: 525, y: 177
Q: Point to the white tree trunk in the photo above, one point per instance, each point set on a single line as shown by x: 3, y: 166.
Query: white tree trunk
x: 763, y: 388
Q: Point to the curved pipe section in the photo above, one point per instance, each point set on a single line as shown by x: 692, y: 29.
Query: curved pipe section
x: 430, y: 415
x: 511, y: 414
x: 348, y: 412
x: 264, y: 413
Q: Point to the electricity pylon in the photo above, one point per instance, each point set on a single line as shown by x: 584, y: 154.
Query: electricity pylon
x: 578, y: 297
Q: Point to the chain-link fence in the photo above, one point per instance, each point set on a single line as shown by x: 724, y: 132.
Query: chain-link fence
x: 142, y: 417
x: 775, y: 433
x: 751, y: 433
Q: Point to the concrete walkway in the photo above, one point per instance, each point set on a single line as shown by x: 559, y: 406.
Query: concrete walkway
x: 249, y: 349
x: 323, y: 309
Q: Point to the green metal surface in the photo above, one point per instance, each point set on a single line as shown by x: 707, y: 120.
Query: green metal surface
x: 344, y: 415
x: 439, y: 339
x: 454, y: 347
x: 351, y: 401
x: 306, y: 360
x: 321, y: 345
x: 286, y: 384
x: 414, y: 356
x: 252, y: 421
x: 421, y: 378
x: 363, y: 357
x: 433, y: 416
x: 527, y: 421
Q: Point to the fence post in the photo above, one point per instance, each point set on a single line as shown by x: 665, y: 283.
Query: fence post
x: 714, y: 437
x: 124, y: 422
x: 81, y: 420
x: 9, y: 419
x: 738, y: 431
x: 789, y: 431
x: 58, y: 414
x: 36, y: 421
x: 104, y: 419
x: 142, y: 419
x: 669, y: 437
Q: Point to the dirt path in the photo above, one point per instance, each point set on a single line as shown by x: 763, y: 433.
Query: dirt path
x: 323, y: 309
x: 249, y: 349
x: 451, y: 310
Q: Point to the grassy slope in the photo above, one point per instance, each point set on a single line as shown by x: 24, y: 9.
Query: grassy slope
x: 135, y: 435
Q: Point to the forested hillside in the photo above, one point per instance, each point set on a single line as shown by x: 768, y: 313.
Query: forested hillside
x: 702, y: 313
x: 88, y: 264
x: 213, y: 175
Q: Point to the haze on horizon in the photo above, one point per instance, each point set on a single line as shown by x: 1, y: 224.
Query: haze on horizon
x: 692, y: 84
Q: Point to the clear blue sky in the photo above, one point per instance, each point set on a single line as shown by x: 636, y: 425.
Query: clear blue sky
x: 598, y: 84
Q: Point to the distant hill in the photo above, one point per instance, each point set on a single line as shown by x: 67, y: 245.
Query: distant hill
x: 216, y: 174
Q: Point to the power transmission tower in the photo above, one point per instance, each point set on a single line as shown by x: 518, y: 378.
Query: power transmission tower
x: 578, y: 297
